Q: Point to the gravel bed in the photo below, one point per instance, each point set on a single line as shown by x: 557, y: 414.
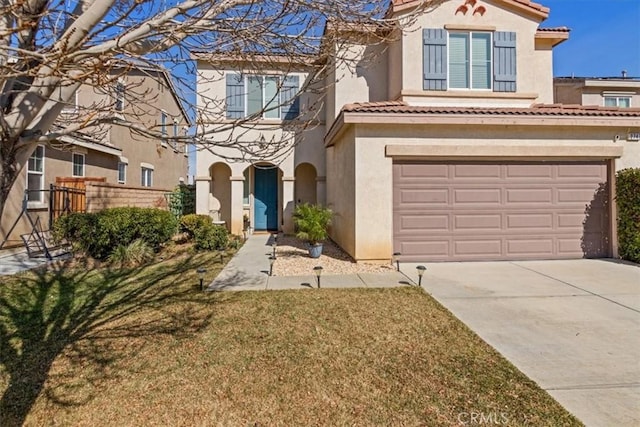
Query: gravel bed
x: 292, y: 259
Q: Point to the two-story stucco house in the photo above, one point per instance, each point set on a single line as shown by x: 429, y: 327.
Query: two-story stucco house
x: 443, y: 143
x: 142, y: 95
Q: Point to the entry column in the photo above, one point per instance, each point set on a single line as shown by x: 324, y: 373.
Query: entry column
x: 237, y: 208
x: 287, y: 203
x: 203, y: 188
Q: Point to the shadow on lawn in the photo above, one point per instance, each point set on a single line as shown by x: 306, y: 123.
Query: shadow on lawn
x: 73, y: 311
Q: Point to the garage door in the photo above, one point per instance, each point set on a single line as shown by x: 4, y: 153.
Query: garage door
x: 507, y: 211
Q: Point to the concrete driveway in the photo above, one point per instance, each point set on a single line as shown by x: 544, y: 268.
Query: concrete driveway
x: 571, y: 326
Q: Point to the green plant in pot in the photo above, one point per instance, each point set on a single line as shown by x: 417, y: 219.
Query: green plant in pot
x: 312, y: 223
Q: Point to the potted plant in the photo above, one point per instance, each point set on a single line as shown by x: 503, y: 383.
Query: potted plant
x: 312, y: 223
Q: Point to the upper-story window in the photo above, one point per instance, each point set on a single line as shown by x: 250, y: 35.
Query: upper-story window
x: 35, y: 175
x: 119, y: 94
x: 78, y: 164
x: 474, y: 60
x: 263, y: 97
x: 470, y: 60
x: 617, y: 101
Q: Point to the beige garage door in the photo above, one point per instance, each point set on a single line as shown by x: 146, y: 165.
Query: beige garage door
x: 488, y: 211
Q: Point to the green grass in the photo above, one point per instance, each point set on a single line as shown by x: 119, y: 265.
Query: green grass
x: 145, y: 347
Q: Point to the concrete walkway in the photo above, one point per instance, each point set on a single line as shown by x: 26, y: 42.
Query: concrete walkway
x: 17, y: 261
x: 248, y: 270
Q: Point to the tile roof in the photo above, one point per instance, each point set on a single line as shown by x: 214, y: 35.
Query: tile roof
x: 398, y: 107
x: 538, y: 8
x: 555, y: 30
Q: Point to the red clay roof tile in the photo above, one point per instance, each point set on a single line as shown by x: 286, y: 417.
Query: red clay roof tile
x: 398, y: 107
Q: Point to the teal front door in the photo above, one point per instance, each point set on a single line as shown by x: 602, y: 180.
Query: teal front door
x: 266, y: 199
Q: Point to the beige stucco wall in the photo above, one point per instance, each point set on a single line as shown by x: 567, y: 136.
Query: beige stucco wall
x: 298, y: 143
x: 534, y: 67
x: 341, y: 198
x: 57, y: 163
x: 169, y: 164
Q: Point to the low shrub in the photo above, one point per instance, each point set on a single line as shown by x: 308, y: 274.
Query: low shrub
x: 134, y: 254
x: 99, y: 233
x: 78, y: 229
x: 190, y: 223
x: 211, y: 237
x: 628, y: 203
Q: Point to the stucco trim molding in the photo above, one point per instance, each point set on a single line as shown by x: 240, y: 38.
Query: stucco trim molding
x: 203, y: 178
x: 503, y: 152
x: 236, y: 178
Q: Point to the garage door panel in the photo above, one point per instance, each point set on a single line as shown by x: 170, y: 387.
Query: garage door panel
x: 529, y: 195
x: 424, y: 222
x: 491, y: 222
x: 471, y: 170
x: 576, y: 195
x: 528, y: 247
x: 519, y: 221
x: 475, y: 248
x: 582, y: 171
x: 501, y: 211
x: 477, y: 195
x: 432, y: 248
x: 409, y: 196
x: 529, y: 171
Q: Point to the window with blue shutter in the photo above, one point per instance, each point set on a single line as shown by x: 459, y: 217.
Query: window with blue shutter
x: 469, y: 60
x: 504, y: 63
x: 268, y: 97
x: 434, y: 56
x: 290, y: 102
x: 235, y: 96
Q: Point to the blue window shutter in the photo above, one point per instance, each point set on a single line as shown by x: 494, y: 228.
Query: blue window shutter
x: 289, y: 102
x: 434, y: 56
x: 235, y: 96
x: 504, y: 61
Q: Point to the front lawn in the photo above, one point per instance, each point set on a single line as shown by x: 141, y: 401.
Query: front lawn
x: 146, y: 347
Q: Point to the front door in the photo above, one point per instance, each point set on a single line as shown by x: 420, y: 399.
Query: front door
x: 266, y: 199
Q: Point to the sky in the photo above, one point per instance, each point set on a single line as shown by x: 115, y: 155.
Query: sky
x: 604, y: 37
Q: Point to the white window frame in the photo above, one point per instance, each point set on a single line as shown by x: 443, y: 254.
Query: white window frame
x: 73, y: 164
x: 163, y: 127
x: 123, y: 179
x: 120, y: 91
x: 470, y: 64
x: 617, y: 100
x: 264, y: 98
x: 146, y: 175
x: 39, y: 201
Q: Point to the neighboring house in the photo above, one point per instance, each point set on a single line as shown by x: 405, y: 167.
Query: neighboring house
x: 611, y: 92
x: 446, y: 146
x: 112, y: 154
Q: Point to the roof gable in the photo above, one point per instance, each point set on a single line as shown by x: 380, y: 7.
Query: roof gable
x: 526, y: 7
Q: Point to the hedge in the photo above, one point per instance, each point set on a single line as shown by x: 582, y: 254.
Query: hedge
x: 628, y: 203
x: 99, y: 233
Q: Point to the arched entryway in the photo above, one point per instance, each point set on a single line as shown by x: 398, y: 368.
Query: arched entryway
x: 306, y: 185
x: 220, y: 193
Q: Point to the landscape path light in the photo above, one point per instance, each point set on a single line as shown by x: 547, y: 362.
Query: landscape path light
x: 201, y: 272
x: 272, y: 259
x: 318, y: 272
x: 396, y: 260
x: 421, y: 269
